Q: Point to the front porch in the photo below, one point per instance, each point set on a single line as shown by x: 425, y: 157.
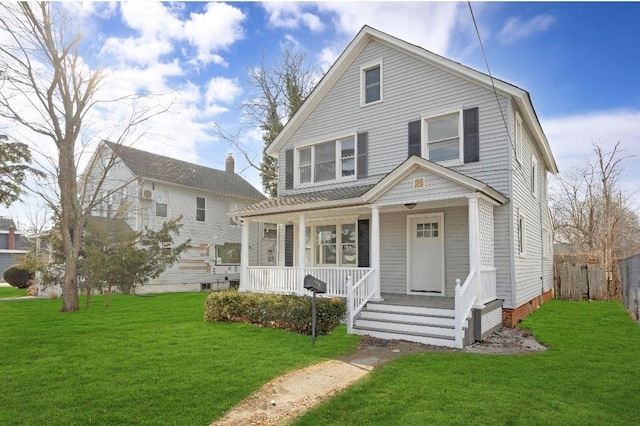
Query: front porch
x: 424, y: 235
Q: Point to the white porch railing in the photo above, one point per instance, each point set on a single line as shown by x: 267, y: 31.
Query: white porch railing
x: 358, y: 295
x: 488, y: 291
x: 336, y: 278
x: 465, y: 298
x: 283, y: 279
x: 272, y: 279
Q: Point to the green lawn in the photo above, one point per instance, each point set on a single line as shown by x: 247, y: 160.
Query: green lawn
x: 145, y: 361
x: 12, y: 292
x: 590, y: 375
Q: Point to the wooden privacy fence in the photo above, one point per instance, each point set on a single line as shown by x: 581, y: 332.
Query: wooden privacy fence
x: 630, y: 275
x: 580, y: 282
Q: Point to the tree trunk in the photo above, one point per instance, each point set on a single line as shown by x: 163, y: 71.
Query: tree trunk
x: 71, y: 225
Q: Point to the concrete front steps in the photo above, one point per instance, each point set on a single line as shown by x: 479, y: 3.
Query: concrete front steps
x: 431, y: 326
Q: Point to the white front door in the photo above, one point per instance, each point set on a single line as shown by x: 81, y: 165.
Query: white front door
x: 425, y: 254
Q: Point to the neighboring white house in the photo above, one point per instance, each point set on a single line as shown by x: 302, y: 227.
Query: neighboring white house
x: 12, y: 244
x: 148, y: 189
x: 416, y: 190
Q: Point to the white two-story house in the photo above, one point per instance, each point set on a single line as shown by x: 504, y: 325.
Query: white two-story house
x: 416, y: 188
x: 147, y: 189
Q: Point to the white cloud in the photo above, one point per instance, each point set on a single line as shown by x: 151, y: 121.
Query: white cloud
x: 220, y: 89
x: 151, y: 19
x: 516, y: 29
x: 572, y: 138
x: 291, y: 15
x: 218, y: 28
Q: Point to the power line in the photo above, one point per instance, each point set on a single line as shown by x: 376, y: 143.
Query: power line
x: 504, y: 121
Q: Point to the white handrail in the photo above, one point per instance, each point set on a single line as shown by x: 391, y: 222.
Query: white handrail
x: 465, y: 298
x: 357, y: 296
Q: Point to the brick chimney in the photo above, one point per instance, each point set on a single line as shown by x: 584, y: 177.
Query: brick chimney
x: 229, y: 165
x: 11, y: 240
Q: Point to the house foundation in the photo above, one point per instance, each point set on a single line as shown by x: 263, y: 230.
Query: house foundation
x: 511, y: 317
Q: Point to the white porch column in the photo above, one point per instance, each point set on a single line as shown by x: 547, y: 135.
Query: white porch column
x: 301, y: 252
x: 375, y: 250
x: 244, y: 256
x: 474, y: 244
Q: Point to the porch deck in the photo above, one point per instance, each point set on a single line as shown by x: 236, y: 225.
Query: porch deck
x: 419, y: 301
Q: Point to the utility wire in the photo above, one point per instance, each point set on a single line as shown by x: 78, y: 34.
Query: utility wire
x: 491, y: 78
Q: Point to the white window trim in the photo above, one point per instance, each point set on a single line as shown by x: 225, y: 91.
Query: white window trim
x: 366, y: 67
x: 519, y: 136
x: 338, y: 159
x: 424, y: 135
x: 338, y: 224
x: 534, y: 176
x: 522, y: 249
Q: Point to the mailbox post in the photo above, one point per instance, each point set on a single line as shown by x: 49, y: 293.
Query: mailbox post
x: 314, y: 285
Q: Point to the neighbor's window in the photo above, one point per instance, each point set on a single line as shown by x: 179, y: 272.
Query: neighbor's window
x: 327, y: 161
x: 200, y: 209
x: 228, y: 254
x: 161, y: 203
x: 165, y: 247
x: 443, y: 137
x: 371, y: 84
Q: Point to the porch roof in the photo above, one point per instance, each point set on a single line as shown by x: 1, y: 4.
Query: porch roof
x: 334, y: 197
x: 359, y: 195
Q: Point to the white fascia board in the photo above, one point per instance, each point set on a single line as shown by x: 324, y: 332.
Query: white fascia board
x: 320, y: 205
x: 414, y: 163
x: 531, y: 118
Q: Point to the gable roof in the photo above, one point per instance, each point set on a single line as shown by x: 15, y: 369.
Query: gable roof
x: 367, y: 34
x: 366, y: 194
x: 169, y: 170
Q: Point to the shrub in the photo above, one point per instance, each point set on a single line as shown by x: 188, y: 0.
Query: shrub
x: 288, y: 312
x: 17, y: 276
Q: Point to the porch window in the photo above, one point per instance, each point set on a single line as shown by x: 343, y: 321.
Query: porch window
x: 443, y: 138
x: 331, y: 244
x: 327, y: 161
x: 228, y: 254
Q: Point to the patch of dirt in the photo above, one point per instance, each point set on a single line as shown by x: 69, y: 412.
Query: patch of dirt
x: 286, y: 397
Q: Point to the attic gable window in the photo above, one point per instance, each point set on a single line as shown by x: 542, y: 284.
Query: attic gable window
x: 327, y: 161
x: 371, y: 83
x: 200, y: 209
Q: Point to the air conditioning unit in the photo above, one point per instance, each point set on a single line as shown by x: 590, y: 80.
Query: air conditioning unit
x: 147, y: 195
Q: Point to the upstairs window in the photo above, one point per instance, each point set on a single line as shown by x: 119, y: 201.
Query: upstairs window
x: 371, y: 83
x: 534, y: 176
x: 200, y: 209
x: 519, y: 137
x: 443, y: 138
x: 327, y: 161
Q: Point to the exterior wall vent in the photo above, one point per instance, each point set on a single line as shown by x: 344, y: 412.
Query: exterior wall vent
x: 418, y: 183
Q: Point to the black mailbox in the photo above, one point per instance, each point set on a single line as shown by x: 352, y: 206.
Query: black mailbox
x: 315, y: 285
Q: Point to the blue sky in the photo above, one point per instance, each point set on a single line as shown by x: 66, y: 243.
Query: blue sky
x: 579, y: 61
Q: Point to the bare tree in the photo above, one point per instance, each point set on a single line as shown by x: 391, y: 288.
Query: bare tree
x: 592, y: 210
x: 277, y: 93
x: 48, y: 90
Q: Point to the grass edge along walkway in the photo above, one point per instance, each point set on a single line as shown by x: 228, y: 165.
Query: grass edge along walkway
x: 145, y: 361
x: 588, y: 376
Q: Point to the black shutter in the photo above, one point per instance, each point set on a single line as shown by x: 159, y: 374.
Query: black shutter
x: 415, y: 141
x: 363, y: 243
x: 288, y: 245
x: 471, y: 135
x: 363, y: 148
x: 288, y: 169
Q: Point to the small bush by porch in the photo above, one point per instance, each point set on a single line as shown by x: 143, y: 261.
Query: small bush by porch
x: 283, y: 311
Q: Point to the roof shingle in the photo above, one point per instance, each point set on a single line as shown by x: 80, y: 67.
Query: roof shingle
x: 172, y: 171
